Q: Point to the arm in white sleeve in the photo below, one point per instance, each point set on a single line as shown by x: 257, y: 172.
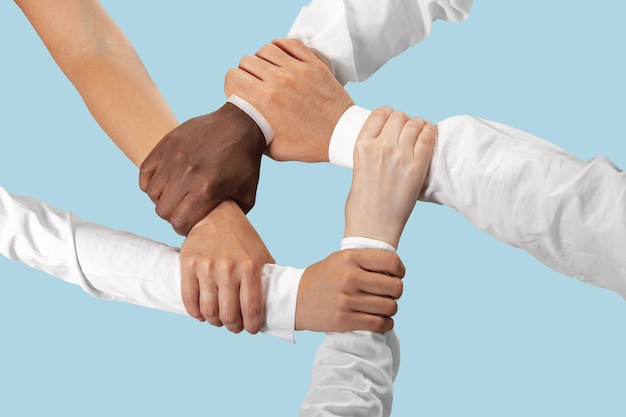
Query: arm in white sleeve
x: 567, y: 213
x: 353, y: 372
x: 357, y: 37
x: 116, y: 265
x: 360, y: 36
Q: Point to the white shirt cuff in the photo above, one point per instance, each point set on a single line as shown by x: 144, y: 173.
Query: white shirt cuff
x: 258, y: 118
x: 354, y: 242
x: 280, y: 288
x: 343, y: 139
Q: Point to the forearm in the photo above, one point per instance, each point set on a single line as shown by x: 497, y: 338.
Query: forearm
x: 102, y: 64
x: 569, y: 214
x: 353, y: 372
x: 357, y: 37
x: 129, y: 268
x: 115, y: 265
x: 526, y: 192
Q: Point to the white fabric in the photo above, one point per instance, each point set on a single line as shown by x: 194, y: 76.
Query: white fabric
x: 567, y: 213
x: 357, y: 37
x: 115, y: 265
x: 254, y: 114
x: 360, y: 36
x: 343, y: 139
x: 353, y: 372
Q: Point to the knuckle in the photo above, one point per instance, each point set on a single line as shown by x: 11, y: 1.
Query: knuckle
x: 247, y: 266
x: 180, y: 225
x: 190, y: 300
x: 253, y: 309
x: 376, y: 324
x: 345, y: 279
x: 153, y: 191
x: 209, y: 312
x: 391, y: 308
x: 397, y: 288
x: 348, y: 256
x: 228, y: 317
x: 415, y: 123
x: 382, y: 112
x: 344, y: 302
x: 267, y: 50
x: 228, y: 78
x: 226, y: 265
x: 162, y: 211
x: 395, y: 265
x: 246, y: 61
x: 399, y: 115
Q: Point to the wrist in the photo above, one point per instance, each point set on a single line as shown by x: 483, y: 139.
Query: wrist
x: 345, y: 134
x: 379, y: 232
x: 226, y: 209
x: 251, y: 130
x: 255, y: 115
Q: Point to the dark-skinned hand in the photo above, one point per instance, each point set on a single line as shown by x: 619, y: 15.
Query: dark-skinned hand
x: 204, y: 161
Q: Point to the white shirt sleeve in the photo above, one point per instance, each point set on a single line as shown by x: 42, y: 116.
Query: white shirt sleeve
x: 116, y: 265
x: 353, y: 372
x: 567, y: 213
x: 360, y: 36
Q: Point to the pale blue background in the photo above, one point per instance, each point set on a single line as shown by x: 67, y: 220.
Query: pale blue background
x: 486, y: 330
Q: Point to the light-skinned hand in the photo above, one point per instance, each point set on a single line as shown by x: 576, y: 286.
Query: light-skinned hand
x: 297, y: 94
x: 221, y: 263
x: 350, y: 290
x: 391, y: 160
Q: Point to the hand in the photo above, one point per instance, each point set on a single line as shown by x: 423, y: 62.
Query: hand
x: 350, y: 290
x: 221, y: 262
x: 296, y: 93
x: 201, y: 163
x: 391, y: 160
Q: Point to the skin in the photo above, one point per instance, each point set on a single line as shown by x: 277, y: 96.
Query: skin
x: 102, y: 64
x: 298, y: 95
x: 391, y: 160
x: 202, y: 162
x: 345, y: 292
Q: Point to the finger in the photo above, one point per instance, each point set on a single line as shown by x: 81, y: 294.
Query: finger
x: 252, y: 302
x: 369, y: 322
x: 393, y: 127
x: 425, y: 143
x: 190, y: 291
x: 380, y: 284
x: 371, y: 304
x: 157, y: 184
x: 375, y: 122
x: 255, y: 66
x: 209, y: 307
x: 377, y: 260
x: 242, y: 83
x: 169, y: 197
x: 189, y: 211
x: 295, y: 48
x: 409, y: 134
x: 229, y: 306
x: 274, y: 55
x: 146, y: 171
